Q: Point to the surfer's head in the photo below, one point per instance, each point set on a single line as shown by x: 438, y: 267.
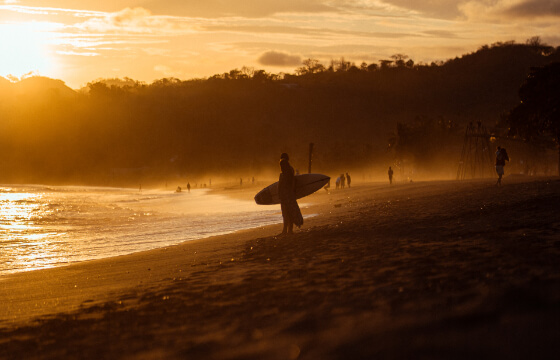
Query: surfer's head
x: 284, y: 156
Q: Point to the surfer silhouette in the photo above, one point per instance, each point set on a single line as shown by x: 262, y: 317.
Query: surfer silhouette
x: 291, y: 213
x: 501, y: 157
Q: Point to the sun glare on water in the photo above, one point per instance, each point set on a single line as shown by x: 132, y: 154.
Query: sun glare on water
x: 24, y: 49
x: 19, y: 233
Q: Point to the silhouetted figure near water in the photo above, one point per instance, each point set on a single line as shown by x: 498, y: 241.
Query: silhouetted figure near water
x: 348, y: 179
x: 501, y: 158
x: 390, y: 173
x: 287, y: 193
x: 189, y: 187
x: 342, y: 180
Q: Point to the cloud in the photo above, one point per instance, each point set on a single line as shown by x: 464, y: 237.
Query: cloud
x: 129, y: 16
x: 77, y: 53
x: 446, y: 9
x: 98, y: 5
x: 535, y: 8
x: 214, y: 9
x: 42, y: 10
x: 192, y: 8
x: 315, y: 34
x: 511, y: 10
x: 277, y: 58
x: 136, y: 21
x: 480, y: 9
x: 441, y: 34
x: 231, y: 8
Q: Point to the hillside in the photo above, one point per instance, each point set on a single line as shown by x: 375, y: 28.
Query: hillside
x: 236, y: 124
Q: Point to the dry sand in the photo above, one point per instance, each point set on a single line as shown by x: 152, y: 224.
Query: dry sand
x: 433, y: 270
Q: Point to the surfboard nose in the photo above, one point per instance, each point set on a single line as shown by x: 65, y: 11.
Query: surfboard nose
x: 263, y: 198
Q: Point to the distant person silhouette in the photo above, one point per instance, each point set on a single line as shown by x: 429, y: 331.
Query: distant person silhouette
x: 189, y: 187
x: 337, y: 182
x: 348, y: 180
x: 390, y: 173
x: 291, y: 213
x: 342, y: 181
x: 501, y: 158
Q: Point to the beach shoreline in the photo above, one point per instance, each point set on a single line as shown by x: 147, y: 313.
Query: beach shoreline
x: 422, y: 270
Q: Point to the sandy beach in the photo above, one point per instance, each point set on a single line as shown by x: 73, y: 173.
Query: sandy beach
x: 424, y: 270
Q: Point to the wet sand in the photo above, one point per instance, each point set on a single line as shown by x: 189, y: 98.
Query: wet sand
x: 427, y: 270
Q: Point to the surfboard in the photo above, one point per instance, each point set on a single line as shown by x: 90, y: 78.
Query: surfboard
x: 306, y: 184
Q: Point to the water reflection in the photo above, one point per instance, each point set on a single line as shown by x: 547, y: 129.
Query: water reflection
x: 17, y: 212
x: 24, y: 242
x: 46, y: 226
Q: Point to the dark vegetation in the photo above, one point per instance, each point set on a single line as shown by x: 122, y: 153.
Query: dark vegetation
x: 537, y: 116
x: 236, y: 124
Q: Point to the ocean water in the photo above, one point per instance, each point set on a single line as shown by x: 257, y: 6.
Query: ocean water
x: 48, y: 226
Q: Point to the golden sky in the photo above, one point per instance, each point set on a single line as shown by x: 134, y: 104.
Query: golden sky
x: 79, y: 41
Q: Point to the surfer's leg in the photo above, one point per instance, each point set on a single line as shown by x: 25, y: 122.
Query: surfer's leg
x: 290, y: 227
x: 284, y: 218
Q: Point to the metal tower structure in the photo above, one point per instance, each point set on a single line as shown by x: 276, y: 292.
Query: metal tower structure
x: 477, y: 159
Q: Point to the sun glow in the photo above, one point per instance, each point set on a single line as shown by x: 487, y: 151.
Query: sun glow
x: 24, y: 49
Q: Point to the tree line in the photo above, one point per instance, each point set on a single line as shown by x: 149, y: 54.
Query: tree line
x: 367, y: 116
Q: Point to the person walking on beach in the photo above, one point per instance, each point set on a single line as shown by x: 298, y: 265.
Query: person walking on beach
x: 501, y: 157
x: 390, y: 173
x: 348, y: 180
x: 291, y: 213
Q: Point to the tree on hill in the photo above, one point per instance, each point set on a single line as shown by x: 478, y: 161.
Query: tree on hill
x: 310, y: 66
x: 538, y: 113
